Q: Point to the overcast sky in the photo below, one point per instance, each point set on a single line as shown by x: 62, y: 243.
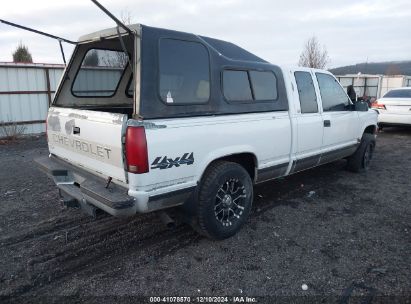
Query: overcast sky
x: 351, y: 30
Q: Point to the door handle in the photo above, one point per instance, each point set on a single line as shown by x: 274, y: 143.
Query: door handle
x: 76, y: 130
x: 327, y: 123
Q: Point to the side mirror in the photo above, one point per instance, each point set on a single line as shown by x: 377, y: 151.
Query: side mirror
x: 361, y: 106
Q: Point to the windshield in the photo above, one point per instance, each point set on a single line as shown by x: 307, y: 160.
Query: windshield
x: 398, y: 94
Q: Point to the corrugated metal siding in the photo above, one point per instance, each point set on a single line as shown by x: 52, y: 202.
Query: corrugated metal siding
x: 19, y: 100
x: 55, y: 76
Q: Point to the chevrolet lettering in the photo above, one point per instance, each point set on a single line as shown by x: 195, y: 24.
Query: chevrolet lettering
x: 82, y: 146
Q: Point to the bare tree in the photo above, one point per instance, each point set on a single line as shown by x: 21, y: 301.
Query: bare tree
x: 313, y: 55
x: 126, y: 17
x: 118, y: 59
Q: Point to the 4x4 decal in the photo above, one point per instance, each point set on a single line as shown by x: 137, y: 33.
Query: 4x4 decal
x: 163, y: 162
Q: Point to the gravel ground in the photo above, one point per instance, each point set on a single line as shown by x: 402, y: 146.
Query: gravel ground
x: 345, y: 235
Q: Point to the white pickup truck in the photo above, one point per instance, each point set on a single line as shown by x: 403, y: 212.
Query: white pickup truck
x: 158, y: 118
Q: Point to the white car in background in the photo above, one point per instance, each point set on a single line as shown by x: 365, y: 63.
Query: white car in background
x: 394, y: 107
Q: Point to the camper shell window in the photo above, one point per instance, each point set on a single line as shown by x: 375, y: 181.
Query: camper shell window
x: 264, y: 85
x: 236, y: 86
x: 100, y: 73
x: 249, y: 86
x: 96, y: 77
x: 184, y: 72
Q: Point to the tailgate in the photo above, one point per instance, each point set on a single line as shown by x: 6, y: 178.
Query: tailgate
x: 89, y: 139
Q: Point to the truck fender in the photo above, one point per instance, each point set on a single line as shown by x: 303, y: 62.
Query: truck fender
x: 223, y: 153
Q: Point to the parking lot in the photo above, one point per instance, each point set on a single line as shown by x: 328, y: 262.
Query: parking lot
x: 342, y: 234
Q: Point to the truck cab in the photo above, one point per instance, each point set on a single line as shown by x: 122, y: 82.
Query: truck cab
x: 327, y: 124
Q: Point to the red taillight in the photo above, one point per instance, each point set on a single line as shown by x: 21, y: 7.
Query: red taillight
x: 136, y: 150
x: 379, y: 106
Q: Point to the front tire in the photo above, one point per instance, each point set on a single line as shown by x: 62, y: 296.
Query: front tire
x: 361, y: 159
x: 224, y: 200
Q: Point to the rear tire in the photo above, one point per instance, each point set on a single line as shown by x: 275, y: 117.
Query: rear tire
x: 360, y: 160
x: 225, y: 197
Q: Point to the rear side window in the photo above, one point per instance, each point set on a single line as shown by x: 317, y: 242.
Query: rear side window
x: 333, y: 96
x: 184, y: 72
x: 264, y: 85
x: 306, y: 92
x: 100, y: 73
x: 399, y: 94
x: 236, y: 86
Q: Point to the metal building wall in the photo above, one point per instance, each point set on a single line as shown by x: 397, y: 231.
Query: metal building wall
x: 364, y: 85
x: 25, y: 93
x: 391, y: 82
x: 408, y: 81
x: 373, y: 85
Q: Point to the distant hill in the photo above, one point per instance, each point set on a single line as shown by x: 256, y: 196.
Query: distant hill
x: 386, y: 68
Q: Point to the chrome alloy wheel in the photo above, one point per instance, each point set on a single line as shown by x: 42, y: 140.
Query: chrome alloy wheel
x: 230, y: 202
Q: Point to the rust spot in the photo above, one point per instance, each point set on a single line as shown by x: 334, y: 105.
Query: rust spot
x: 118, y: 121
x: 79, y: 116
x: 53, y: 123
x: 54, y: 111
x: 69, y: 126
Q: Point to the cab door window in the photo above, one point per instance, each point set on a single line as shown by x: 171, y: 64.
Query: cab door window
x: 306, y: 92
x: 333, y: 96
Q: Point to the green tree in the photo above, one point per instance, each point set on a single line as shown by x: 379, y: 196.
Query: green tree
x: 22, y: 54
